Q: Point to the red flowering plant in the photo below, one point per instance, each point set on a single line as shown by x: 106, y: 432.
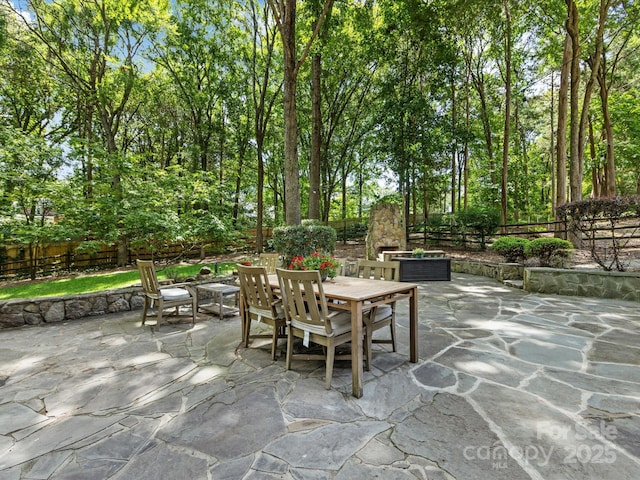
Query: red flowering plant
x: 318, y: 260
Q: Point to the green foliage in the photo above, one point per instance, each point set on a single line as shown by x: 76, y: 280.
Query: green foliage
x: 604, y: 207
x: 437, y: 223
x: 392, y: 199
x: 480, y: 222
x: 589, y: 216
x: 164, y: 134
x: 301, y: 240
x: 160, y: 207
x: 318, y: 260
x: 551, y: 252
x: 28, y: 184
x: 512, y: 248
x: 353, y: 231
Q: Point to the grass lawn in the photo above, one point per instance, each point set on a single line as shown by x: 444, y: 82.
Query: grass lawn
x: 96, y: 282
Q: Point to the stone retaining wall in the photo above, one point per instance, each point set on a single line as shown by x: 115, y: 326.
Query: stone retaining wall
x: 37, y: 311
x: 570, y: 282
x: 499, y: 271
x: 583, y: 283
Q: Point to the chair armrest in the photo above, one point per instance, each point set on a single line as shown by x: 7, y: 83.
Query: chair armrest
x: 186, y: 285
x: 175, y: 285
x: 276, y: 301
x: 332, y: 313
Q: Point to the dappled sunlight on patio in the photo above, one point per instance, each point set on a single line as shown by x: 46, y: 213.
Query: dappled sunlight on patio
x: 205, y: 374
x: 480, y: 368
x: 505, y: 327
x: 22, y: 364
x: 501, y: 369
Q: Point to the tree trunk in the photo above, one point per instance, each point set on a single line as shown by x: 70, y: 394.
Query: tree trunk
x: 467, y: 108
x: 575, y: 162
x: 552, y: 148
x: 263, y: 108
x: 260, y: 199
x: 561, y: 141
x: 291, y: 167
x: 596, y: 190
x: 609, y: 188
x: 594, y: 62
x: 507, y: 114
x: 486, y: 128
x: 453, y: 143
x: 316, y: 136
x: 610, y: 170
x: 285, y: 15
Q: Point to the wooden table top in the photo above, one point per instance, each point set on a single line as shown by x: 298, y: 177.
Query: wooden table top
x: 357, y: 289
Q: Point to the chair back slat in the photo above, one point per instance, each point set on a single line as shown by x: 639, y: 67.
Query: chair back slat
x: 343, y: 268
x: 303, y: 298
x: 270, y: 261
x: 376, y: 270
x: 148, y: 277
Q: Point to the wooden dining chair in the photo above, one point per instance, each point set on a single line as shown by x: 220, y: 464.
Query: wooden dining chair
x: 383, y: 315
x: 166, y: 296
x: 309, y: 318
x: 260, y: 305
x: 344, y: 267
x: 270, y: 261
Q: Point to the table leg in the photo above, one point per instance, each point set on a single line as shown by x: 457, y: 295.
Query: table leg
x: 243, y: 319
x: 357, y: 370
x: 413, y: 325
x: 197, y: 299
x: 220, y: 303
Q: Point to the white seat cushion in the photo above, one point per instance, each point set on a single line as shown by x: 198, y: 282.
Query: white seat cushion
x: 171, y: 294
x: 382, y: 312
x: 264, y: 312
x: 341, y: 323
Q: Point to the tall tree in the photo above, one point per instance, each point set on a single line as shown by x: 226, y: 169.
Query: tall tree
x: 265, y: 91
x: 316, y: 112
x: 94, y: 44
x: 285, y: 16
x: 196, y: 54
x: 561, y: 131
x: 507, y: 108
x: 593, y: 60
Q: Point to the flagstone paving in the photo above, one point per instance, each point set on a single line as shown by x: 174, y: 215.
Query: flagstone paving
x: 509, y: 385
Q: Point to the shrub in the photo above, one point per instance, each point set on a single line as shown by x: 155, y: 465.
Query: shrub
x: 552, y: 252
x: 511, y: 248
x: 354, y: 231
x: 482, y: 222
x: 301, y: 240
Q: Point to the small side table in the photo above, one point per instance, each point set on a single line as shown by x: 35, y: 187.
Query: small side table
x: 218, y: 292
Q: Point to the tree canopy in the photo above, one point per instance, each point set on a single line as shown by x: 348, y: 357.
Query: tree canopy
x: 148, y: 121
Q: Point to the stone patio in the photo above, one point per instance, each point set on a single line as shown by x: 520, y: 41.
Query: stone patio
x: 509, y: 385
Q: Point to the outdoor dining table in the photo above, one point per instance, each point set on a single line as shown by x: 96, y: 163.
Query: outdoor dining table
x: 359, y: 294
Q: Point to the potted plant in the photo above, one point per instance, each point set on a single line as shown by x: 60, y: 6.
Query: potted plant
x: 418, y: 252
x: 325, y: 263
